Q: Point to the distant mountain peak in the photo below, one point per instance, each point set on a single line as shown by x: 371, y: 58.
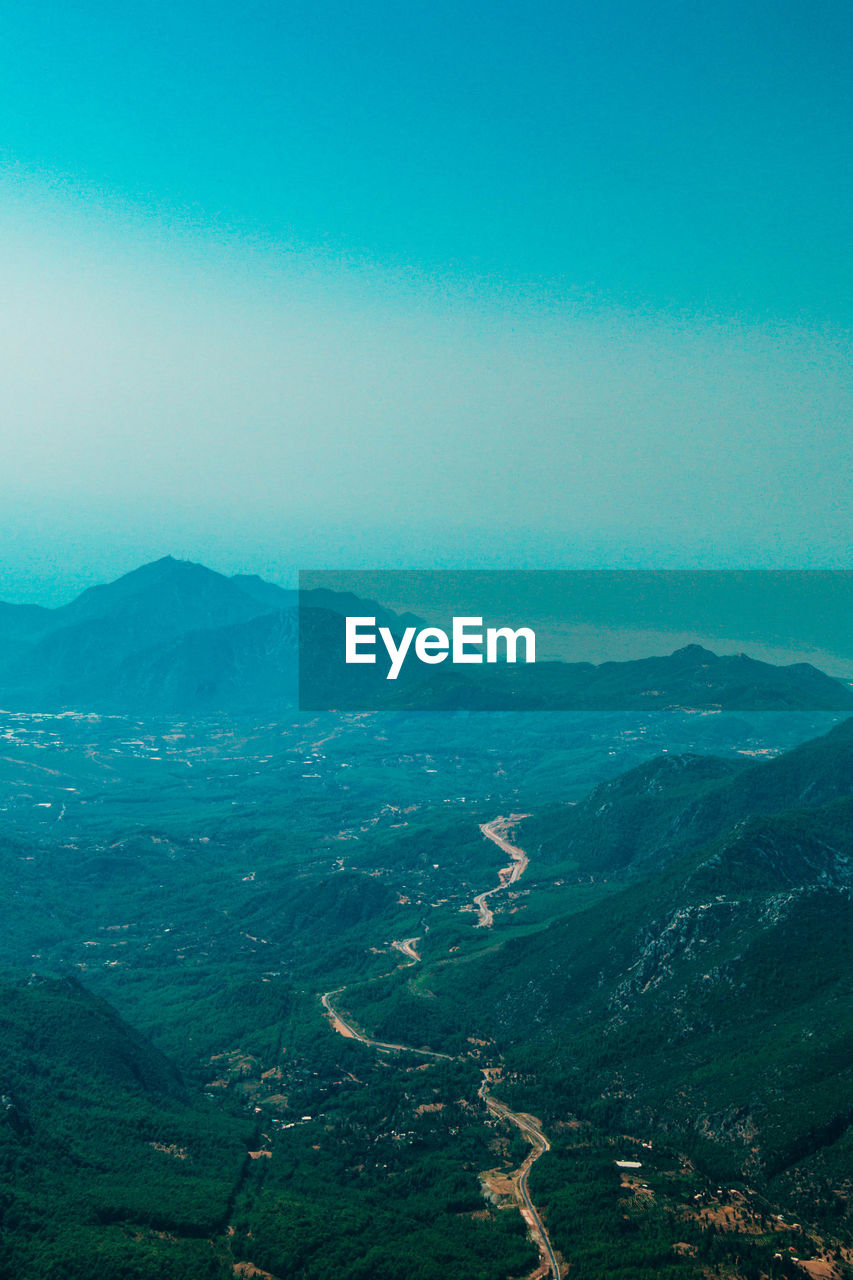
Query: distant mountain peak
x: 695, y: 651
x: 170, y: 564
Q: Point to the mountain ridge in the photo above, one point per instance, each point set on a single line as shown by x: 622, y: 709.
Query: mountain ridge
x: 134, y: 643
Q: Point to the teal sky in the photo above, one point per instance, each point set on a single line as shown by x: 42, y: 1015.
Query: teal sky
x: 409, y: 284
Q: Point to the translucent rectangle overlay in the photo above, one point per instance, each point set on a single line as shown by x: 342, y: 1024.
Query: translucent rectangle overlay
x: 558, y: 640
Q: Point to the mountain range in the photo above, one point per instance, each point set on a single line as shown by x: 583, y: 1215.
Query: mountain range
x: 176, y: 637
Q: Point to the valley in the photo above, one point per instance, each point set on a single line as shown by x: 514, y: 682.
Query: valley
x: 281, y: 994
x: 206, y: 877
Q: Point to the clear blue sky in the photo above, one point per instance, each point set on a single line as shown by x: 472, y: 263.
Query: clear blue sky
x: 616, y: 213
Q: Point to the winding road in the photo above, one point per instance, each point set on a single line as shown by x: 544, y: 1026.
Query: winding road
x: 529, y: 1128
x: 496, y: 832
x: 527, y: 1125
x: 344, y: 1028
x: 407, y: 947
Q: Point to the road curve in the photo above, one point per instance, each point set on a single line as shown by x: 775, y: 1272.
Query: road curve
x: 347, y: 1029
x: 406, y: 947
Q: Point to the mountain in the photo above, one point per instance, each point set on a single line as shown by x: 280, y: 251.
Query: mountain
x: 243, y: 667
x: 173, y: 636
x: 268, y: 594
x: 643, y: 818
x: 346, y: 603
x: 98, y: 629
x: 165, y: 597
x: 691, y: 678
x: 110, y: 1166
x: 80, y: 643
x: 19, y: 625
x: 22, y: 621
x: 709, y: 1002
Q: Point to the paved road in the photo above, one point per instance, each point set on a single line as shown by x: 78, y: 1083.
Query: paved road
x: 347, y: 1029
x: 525, y: 1124
x: 540, y: 1144
x: 406, y: 946
x: 495, y: 831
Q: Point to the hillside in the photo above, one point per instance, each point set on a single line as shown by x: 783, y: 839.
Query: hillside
x: 111, y: 1167
x: 643, y: 818
x: 709, y: 1002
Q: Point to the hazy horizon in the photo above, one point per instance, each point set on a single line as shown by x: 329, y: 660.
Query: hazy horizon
x: 427, y: 289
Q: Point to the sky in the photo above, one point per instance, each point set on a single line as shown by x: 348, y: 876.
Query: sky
x: 290, y: 285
